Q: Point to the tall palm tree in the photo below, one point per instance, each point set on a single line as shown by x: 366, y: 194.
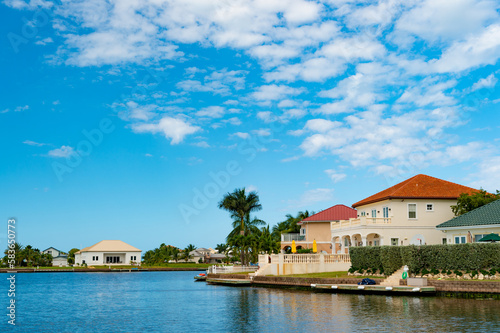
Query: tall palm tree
x: 190, y: 248
x: 239, y: 204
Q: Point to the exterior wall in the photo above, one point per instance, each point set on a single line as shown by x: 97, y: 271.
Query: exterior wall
x: 397, y: 228
x: 52, y: 252
x: 88, y: 257
x: 461, y: 232
x: 286, y: 264
x: 60, y: 262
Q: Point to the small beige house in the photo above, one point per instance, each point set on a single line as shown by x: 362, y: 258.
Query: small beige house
x: 109, y: 252
x: 406, y: 213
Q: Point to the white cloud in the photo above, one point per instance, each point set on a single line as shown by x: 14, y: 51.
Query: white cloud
x: 262, y: 132
x: 63, y: 152
x: 488, y: 174
x: 211, y: 111
x: 233, y: 121
x: 241, y: 135
x: 313, y: 196
x: 435, y: 20
x: 478, y: 49
x: 335, y: 176
x: 202, y: 144
x: 275, y: 92
x: 218, y: 82
x: 251, y: 188
x: 44, y: 41
x: 487, y: 82
x: 21, y: 108
x: 172, y: 128
x: 33, y: 143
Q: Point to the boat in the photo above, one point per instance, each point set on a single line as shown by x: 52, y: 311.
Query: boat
x: 200, y: 277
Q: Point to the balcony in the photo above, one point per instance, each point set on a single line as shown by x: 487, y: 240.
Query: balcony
x: 361, y: 221
x: 292, y: 237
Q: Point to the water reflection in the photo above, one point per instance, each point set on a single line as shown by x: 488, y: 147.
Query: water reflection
x: 172, y: 302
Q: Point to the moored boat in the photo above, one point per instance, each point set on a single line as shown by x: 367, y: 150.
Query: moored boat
x: 200, y: 277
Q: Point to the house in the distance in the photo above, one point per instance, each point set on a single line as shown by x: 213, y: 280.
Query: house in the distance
x: 108, y: 252
x: 318, y: 227
x: 472, y: 226
x: 59, y: 258
x: 406, y: 213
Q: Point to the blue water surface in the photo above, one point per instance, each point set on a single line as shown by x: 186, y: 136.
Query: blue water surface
x: 173, y: 302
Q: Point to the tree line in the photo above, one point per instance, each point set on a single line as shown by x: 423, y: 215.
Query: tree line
x: 27, y: 256
x: 165, y: 253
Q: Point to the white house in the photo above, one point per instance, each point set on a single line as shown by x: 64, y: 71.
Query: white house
x: 109, y: 252
x: 59, y: 258
x: 406, y: 213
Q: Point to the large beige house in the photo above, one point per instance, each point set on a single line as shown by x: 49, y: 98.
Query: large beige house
x: 317, y: 228
x: 108, y: 252
x: 406, y: 213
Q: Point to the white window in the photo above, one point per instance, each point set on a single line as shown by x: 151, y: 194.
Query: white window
x: 374, y: 213
x: 412, y: 211
x: 394, y: 241
x: 460, y: 239
x: 429, y: 207
x: 363, y: 213
x: 385, y: 211
x: 303, y: 231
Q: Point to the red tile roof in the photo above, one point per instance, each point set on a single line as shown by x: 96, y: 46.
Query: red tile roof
x: 419, y: 187
x: 335, y: 213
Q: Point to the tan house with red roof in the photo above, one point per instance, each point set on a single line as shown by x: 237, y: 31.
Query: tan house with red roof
x: 318, y: 227
x: 406, y: 213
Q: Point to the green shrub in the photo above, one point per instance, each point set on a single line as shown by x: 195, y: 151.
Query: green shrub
x: 456, y: 257
x: 390, y: 258
x: 365, y: 257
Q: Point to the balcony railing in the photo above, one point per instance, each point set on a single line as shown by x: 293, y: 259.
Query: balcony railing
x: 363, y: 220
x: 292, y: 237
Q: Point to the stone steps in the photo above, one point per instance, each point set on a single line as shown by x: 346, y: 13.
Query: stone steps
x: 393, y: 280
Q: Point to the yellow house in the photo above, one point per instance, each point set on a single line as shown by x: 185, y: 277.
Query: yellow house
x: 318, y: 227
x: 406, y: 213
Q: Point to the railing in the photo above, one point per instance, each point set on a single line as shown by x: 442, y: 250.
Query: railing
x: 331, y: 258
x: 231, y: 269
x: 363, y: 220
x: 292, y: 237
x: 305, y: 258
x: 300, y: 258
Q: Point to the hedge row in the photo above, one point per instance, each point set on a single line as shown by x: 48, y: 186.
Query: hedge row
x: 465, y: 257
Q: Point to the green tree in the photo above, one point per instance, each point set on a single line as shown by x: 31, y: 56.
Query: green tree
x: 467, y: 202
x: 240, y: 205
x: 190, y: 247
x: 221, y: 248
x: 18, y: 251
x: 71, y: 255
x: 290, y: 225
x: 186, y: 254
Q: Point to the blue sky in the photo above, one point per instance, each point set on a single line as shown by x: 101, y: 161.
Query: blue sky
x: 130, y: 120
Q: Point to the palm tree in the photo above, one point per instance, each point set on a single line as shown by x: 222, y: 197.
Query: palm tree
x: 240, y: 205
x: 186, y: 254
x: 16, y: 249
x: 190, y: 248
x: 290, y: 225
x: 221, y: 248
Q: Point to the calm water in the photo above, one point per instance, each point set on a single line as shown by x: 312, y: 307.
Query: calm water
x: 172, y: 302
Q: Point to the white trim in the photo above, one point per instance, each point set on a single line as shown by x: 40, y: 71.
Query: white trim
x: 469, y: 227
x: 430, y: 203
